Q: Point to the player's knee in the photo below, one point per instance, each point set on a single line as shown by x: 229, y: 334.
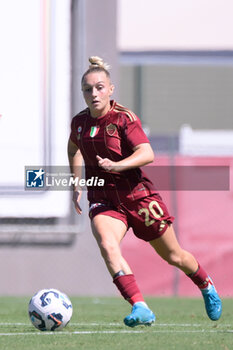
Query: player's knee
x: 174, y: 259
x: 108, y: 250
x: 177, y: 258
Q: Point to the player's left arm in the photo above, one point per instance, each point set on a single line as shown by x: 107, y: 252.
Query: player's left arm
x: 142, y: 155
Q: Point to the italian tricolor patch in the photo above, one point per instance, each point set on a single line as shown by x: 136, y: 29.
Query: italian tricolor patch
x: 94, y: 131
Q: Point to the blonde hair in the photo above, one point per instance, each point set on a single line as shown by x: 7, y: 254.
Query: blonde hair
x: 96, y: 61
x: 97, y: 64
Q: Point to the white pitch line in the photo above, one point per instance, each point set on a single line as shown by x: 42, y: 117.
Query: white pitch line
x: 153, y: 325
x: 116, y: 332
x: 14, y: 324
x: 77, y: 324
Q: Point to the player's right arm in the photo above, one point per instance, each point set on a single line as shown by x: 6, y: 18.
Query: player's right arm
x: 75, y: 161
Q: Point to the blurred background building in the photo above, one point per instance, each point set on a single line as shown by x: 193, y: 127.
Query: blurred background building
x: 172, y: 64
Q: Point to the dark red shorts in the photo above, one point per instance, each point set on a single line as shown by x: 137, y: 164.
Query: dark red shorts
x: 148, y: 217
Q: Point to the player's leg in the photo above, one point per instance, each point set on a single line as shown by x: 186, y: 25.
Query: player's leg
x: 169, y: 249
x: 109, y: 232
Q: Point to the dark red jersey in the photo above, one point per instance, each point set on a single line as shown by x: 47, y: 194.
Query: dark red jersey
x: 112, y: 136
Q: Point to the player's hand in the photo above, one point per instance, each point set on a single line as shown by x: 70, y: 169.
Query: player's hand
x: 107, y: 164
x: 76, y: 199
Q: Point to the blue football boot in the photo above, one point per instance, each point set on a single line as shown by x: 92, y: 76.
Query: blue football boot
x: 212, y: 301
x: 140, y: 315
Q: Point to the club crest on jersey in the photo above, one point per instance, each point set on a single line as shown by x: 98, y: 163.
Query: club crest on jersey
x: 111, y: 129
x: 94, y: 131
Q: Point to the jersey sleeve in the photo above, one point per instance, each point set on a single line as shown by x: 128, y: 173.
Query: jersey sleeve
x: 134, y: 132
x: 73, y: 133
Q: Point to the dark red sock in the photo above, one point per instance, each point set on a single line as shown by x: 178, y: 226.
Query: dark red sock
x: 200, y: 278
x: 128, y: 288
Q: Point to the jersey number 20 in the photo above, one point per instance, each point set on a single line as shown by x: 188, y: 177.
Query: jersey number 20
x: 151, y: 210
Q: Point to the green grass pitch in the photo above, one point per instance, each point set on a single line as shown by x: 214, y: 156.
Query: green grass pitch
x: 96, y: 324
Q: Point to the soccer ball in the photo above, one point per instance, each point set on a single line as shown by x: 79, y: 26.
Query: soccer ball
x: 50, y: 310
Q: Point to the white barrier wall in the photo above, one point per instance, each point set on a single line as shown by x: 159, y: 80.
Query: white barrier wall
x: 205, y: 142
x: 34, y: 101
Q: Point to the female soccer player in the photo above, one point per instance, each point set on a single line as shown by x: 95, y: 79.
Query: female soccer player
x: 110, y: 139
